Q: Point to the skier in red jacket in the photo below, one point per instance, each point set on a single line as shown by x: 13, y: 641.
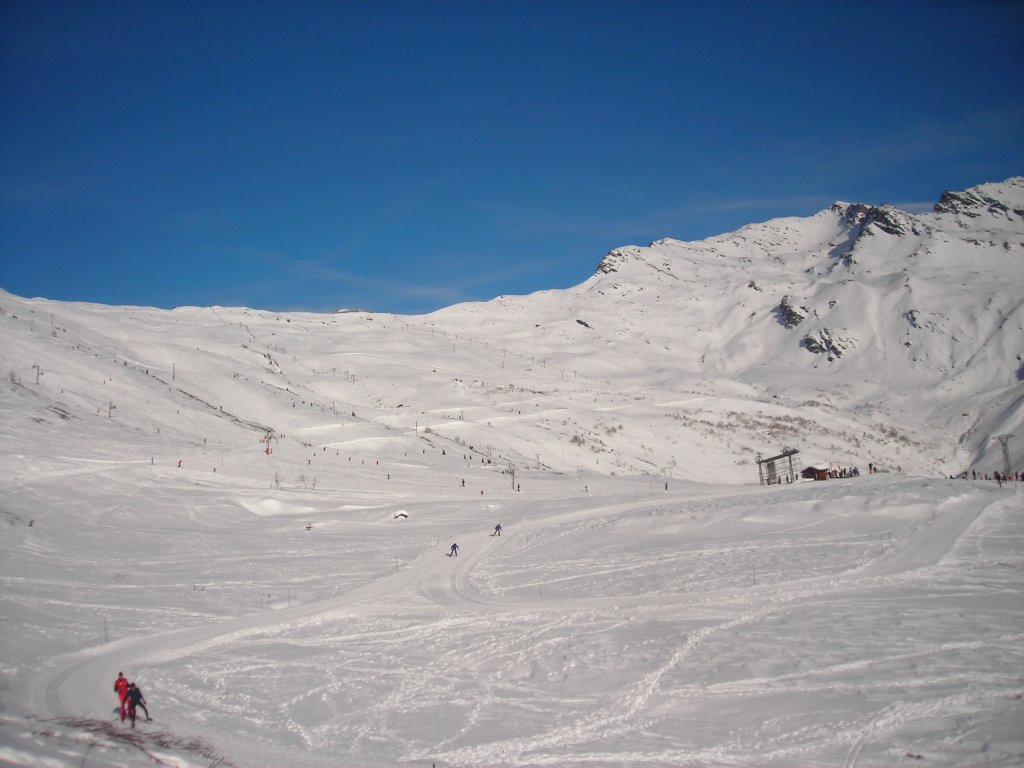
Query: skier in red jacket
x: 121, y: 689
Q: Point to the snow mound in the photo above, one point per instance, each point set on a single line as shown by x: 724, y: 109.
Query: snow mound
x: 273, y: 508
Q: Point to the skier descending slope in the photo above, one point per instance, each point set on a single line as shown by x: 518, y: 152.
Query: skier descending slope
x: 454, y: 551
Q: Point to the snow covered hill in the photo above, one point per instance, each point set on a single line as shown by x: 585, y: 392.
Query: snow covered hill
x: 859, y: 334
x: 249, y: 512
x: 866, y: 330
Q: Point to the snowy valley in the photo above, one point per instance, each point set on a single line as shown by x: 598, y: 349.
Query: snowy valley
x: 251, y: 513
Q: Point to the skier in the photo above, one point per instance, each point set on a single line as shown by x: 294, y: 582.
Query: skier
x: 135, y: 699
x: 130, y: 702
x: 497, y: 530
x: 454, y: 551
x: 121, y: 689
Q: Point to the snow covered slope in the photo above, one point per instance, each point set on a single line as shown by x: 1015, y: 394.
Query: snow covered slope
x: 858, y: 334
x: 908, y: 327
x: 248, y: 512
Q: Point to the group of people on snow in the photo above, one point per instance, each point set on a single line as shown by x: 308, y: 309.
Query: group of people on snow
x: 999, y: 477
x: 130, y: 696
x: 454, y: 551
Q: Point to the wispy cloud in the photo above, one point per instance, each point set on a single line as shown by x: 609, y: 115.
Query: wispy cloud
x: 655, y: 223
x: 374, y: 285
x: 793, y: 203
x: 357, y: 289
x: 968, y: 133
x: 957, y: 141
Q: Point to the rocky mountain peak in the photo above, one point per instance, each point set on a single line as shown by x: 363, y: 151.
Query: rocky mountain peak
x: 1002, y: 200
x: 884, y: 217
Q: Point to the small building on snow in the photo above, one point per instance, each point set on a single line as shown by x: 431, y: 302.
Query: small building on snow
x: 815, y: 472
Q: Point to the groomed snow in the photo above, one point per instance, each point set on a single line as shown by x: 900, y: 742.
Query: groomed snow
x: 848, y: 622
x: 648, y: 602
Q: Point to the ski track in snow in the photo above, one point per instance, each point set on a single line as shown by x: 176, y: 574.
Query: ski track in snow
x: 923, y: 550
x: 864, y: 622
x: 67, y: 688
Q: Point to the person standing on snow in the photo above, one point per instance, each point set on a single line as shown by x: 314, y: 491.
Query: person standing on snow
x: 136, y: 699
x: 497, y: 530
x: 129, y: 701
x: 454, y: 551
x: 121, y: 689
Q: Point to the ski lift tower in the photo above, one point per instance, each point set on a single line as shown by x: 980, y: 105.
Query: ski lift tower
x: 1004, y: 441
x: 769, y: 472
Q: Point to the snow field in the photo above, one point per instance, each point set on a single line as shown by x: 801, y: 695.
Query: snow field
x: 885, y: 619
x: 276, y: 611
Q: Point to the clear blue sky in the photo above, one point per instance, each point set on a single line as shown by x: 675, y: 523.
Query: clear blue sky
x: 403, y: 156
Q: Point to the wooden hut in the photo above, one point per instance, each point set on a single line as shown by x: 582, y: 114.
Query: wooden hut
x: 815, y: 472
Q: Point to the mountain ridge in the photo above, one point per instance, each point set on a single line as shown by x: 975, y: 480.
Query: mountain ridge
x: 852, y: 287
x: 859, y: 333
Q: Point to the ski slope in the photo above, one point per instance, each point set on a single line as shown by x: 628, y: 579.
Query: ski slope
x: 853, y: 622
x: 249, y: 513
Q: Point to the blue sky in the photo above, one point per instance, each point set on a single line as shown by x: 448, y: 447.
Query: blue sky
x: 404, y: 156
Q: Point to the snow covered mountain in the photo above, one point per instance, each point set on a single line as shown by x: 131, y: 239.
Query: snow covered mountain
x: 858, y: 334
x: 249, y: 513
x: 908, y: 325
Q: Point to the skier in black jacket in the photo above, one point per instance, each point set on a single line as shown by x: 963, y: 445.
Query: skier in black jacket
x: 136, y: 699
